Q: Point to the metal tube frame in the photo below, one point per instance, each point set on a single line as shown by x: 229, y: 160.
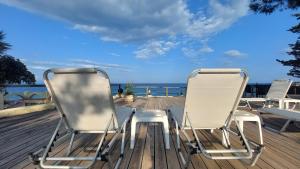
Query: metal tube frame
x: 198, y: 147
x: 101, y: 151
x: 71, y: 143
x: 98, y: 155
x: 45, y: 157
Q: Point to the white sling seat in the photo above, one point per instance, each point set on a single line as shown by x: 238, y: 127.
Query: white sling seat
x: 276, y: 93
x: 211, y: 99
x: 83, y: 98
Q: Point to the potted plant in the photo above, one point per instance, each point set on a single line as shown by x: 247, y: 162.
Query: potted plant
x: 129, y: 95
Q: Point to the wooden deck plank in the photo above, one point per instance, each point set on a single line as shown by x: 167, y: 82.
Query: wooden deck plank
x: 172, y: 157
x: 160, y: 152
x: 271, y: 150
x: 148, y: 155
x: 137, y: 156
x: 128, y: 152
x: 199, y: 159
x: 116, y: 150
x: 29, y: 132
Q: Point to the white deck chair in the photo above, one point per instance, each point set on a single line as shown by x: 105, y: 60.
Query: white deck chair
x: 83, y: 98
x: 276, y: 93
x: 289, y: 114
x: 212, y: 98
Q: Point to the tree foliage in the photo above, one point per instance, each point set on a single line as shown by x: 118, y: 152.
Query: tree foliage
x: 268, y: 7
x: 3, y: 45
x: 295, y: 51
x: 12, y: 70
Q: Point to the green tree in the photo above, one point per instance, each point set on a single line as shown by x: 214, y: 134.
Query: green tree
x: 3, y: 45
x: 12, y: 70
x: 268, y: 7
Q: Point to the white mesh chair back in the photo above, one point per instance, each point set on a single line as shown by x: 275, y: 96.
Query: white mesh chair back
x: 212, y: 94
x: 83, y: 96
x: 279, y: 89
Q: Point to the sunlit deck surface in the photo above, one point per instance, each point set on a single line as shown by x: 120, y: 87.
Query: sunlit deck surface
x: 20, y: 135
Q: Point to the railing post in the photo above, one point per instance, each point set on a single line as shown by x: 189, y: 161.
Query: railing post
x: 146, y: 92
x: 1, y: 100
x: 167, y: 91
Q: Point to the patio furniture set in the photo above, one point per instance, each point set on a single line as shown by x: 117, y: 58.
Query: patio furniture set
x: 83, y: 99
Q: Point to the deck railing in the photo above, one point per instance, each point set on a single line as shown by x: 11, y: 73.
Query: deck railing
x: 39, y: 91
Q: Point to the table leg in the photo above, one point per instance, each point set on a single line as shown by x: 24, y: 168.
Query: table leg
x: 287, y: 105
x: 166, y: 132
x: 133, y: 130
x: 280, y: 103
x: 259, y: 131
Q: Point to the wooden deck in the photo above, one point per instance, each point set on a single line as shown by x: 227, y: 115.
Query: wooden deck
x: 20, y: 135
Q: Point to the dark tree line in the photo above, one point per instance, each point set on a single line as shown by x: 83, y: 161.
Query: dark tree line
x: 12, y: 70
x: 268, y: 7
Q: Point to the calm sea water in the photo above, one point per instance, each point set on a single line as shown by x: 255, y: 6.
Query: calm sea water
x: 174, y: 89
x: 158, y: 89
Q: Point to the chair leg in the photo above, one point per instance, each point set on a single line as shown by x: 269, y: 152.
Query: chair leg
x: 248, y: 104
x: 241, y: 125
x: 285, y: 126
x: 186, y: 165
x: 261, y: 119
x: 122, y: 146
x: 178, y: 143
x: 225, y: 138
x: 70, y: 144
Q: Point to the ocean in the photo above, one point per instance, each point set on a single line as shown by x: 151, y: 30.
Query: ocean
x: 139, y: 89
x: 157, y: 89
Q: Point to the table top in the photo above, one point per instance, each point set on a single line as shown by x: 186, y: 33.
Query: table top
x: 150, y: 113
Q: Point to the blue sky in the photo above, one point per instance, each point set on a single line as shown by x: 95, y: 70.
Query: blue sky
x: 137, y: 41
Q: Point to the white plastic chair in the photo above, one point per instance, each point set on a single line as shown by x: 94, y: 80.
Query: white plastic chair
x: 211, y: 100
x: 276, y: 93
x: 289, y: 114
x: 83, y: 99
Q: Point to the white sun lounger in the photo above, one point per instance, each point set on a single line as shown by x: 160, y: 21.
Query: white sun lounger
x: 290, y: 115
x: 277, y: 93
x: 211, y: 100
x: 83, y: 99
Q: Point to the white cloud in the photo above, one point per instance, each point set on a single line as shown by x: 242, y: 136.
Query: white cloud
x: 206, y: 49
x: 195, y: 53
x: 190, y: 52
x: 222, y: 16
x: 154, y: 48
x: 123, y: 20
x: 114, y: 54
x: 43, y: 65
x: 140, y: 21
x: 234, y: 53
x: 128, y: 20
x: 38, y: 67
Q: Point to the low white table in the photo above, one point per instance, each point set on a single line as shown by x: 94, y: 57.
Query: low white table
x: 241, y: 117
x: 159, y: 116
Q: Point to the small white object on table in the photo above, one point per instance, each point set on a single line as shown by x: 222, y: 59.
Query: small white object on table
x: 150, y: 115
